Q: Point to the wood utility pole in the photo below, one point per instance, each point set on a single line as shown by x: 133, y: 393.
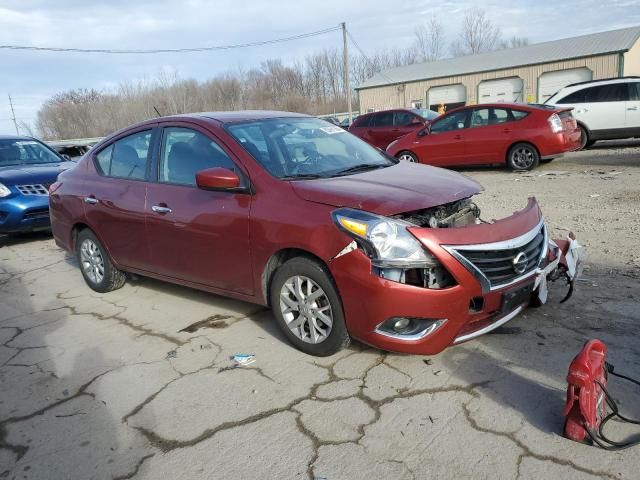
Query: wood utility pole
x: 13, y: 115
x: 345, y: 61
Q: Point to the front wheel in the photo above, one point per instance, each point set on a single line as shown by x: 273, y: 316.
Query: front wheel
x: 96, y: 266
x: 523, y: 156
x: 407, y: 157
x: 307, y: 307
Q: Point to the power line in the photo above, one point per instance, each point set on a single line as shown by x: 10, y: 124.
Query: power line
x: 171, y: 50
x: 373, y: 65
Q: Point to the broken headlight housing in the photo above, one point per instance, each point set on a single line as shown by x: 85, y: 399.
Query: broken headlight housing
x: 394, y: 252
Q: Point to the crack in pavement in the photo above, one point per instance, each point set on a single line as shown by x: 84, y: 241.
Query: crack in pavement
x: 136, y: 469
x: 526, y: 451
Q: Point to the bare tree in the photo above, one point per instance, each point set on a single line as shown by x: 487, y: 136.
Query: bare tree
x: 429, y: 41
x: 478, y: 34
x: 514, y: 42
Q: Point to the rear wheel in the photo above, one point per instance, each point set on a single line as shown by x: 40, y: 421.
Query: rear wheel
x: 96, y: 266
x: 306, y: 305
x: 523, y: 156
x: 406, y: 156
x: 584, y: 138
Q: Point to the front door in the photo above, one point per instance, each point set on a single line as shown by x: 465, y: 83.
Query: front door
x: 197, y: 235
x: 114, y: 204
x: 380, y: 131
x: 444, y: 144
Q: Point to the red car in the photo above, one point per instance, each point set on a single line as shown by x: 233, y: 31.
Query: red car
x: 516, y: 134
x: 289, y: 211
x: 381, y: 128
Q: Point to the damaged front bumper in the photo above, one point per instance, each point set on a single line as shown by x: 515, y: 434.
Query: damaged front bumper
x: 484, y: 295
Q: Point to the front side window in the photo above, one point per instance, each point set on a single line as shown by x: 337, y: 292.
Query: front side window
x: 454, y: 121
x: 614, y: 92
x: 185, y: 152
x: 127, y: 157
x: 404, y: 119
x: 15, y: 152
x: 291, y: 148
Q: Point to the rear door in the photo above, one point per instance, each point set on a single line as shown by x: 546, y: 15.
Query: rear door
x: 114, y: 204
x: 489, y: 134
x: 197, y: 235
x: 444, y: 144
x: 632, y: 112
x: 380, y: 131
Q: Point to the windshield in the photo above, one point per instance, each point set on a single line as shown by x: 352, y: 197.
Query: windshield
x: 426, y: 113
x: 25, y: 152
x: 300, y: 148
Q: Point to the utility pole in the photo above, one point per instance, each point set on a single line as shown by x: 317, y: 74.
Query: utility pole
x: 345, y: 61
x: 13, y: 115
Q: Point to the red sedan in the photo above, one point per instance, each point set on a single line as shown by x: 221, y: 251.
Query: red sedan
x: 289, y: 211
x: 381, y: 128
x: 516, y: 134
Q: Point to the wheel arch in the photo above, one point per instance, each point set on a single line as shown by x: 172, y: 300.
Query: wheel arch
x: 279, y: 258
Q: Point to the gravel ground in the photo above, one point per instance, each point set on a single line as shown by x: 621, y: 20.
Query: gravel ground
x: 136, y: 383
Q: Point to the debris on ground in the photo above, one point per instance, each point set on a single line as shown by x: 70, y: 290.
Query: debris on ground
x: 172, y: 354
x: 239, y: 360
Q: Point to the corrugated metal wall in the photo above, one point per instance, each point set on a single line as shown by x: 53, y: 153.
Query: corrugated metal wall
x: 400, y: 96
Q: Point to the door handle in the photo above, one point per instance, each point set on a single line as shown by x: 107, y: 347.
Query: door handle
x: 457, y: 137
x: 507, y: 130
x: 632, y: 108
x: 161, y: 209
x: 91, y: 200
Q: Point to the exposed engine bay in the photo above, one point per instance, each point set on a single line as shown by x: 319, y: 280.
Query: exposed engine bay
x: 455, y: 214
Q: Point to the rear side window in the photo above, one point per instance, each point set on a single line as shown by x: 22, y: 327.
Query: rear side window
x: 383, y: 119
x: 575, y: 97
x: 481, y: 117
x: 364, y: 121
x: 127, y: 157
x: 634, y: 91
x: 185, y: 152
x: 518, y: 114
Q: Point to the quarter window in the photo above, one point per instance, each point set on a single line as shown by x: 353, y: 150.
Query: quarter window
x: 518, y: 114
x: 455, y: 121
x: 185, y: 152
x: 127, y: 157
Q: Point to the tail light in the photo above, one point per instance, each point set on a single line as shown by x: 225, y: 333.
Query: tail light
x: 54, y: 186
x: 555, y: 123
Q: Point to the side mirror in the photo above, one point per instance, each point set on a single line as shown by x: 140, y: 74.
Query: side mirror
x: 66, y: 157
x: 217, y: 179
x: 423, y: 131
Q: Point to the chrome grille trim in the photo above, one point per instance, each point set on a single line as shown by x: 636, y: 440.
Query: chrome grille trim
x: 33, y: 189
x: 458, y: 251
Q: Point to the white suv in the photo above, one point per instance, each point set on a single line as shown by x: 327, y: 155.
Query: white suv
x: 604, y: 109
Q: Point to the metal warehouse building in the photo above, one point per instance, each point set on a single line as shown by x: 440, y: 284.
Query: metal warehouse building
x: 526, y: 74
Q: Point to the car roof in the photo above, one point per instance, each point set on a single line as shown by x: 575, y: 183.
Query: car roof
x: 15, y: 137
x: 242, y: 115
x: 603, y: 81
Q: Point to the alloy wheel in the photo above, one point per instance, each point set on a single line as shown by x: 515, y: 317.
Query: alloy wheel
x: 92, y: 261
x: 306, y: 309
x: 523, y: 158
x: 405, y: 157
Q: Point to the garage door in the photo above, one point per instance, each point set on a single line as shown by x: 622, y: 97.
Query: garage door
x: 450, y: 96
x: 503, y: 90
x: 550, y: 82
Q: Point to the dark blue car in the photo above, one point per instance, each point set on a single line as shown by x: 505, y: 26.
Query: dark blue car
x: 27, y: 168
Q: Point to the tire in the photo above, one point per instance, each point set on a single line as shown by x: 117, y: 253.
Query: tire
x: 584, y: 138
x: 292, y: 285
x: 96, y: 266
x: 407, y: 156
x: 523, y: 156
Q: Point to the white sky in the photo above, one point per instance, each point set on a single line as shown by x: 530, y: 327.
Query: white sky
x: 32, y: 77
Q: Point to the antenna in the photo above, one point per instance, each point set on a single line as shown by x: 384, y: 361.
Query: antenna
x: 157, y: 112
x: 13, y: 115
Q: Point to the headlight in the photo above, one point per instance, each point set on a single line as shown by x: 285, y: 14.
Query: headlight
x: 386, y: 240
x: 4, y: 191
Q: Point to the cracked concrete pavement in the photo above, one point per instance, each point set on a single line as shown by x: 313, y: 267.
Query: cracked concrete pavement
x: 136, y: 384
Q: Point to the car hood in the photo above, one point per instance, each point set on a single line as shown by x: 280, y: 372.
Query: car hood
x: 404, y: 187
x: 30, y: 174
